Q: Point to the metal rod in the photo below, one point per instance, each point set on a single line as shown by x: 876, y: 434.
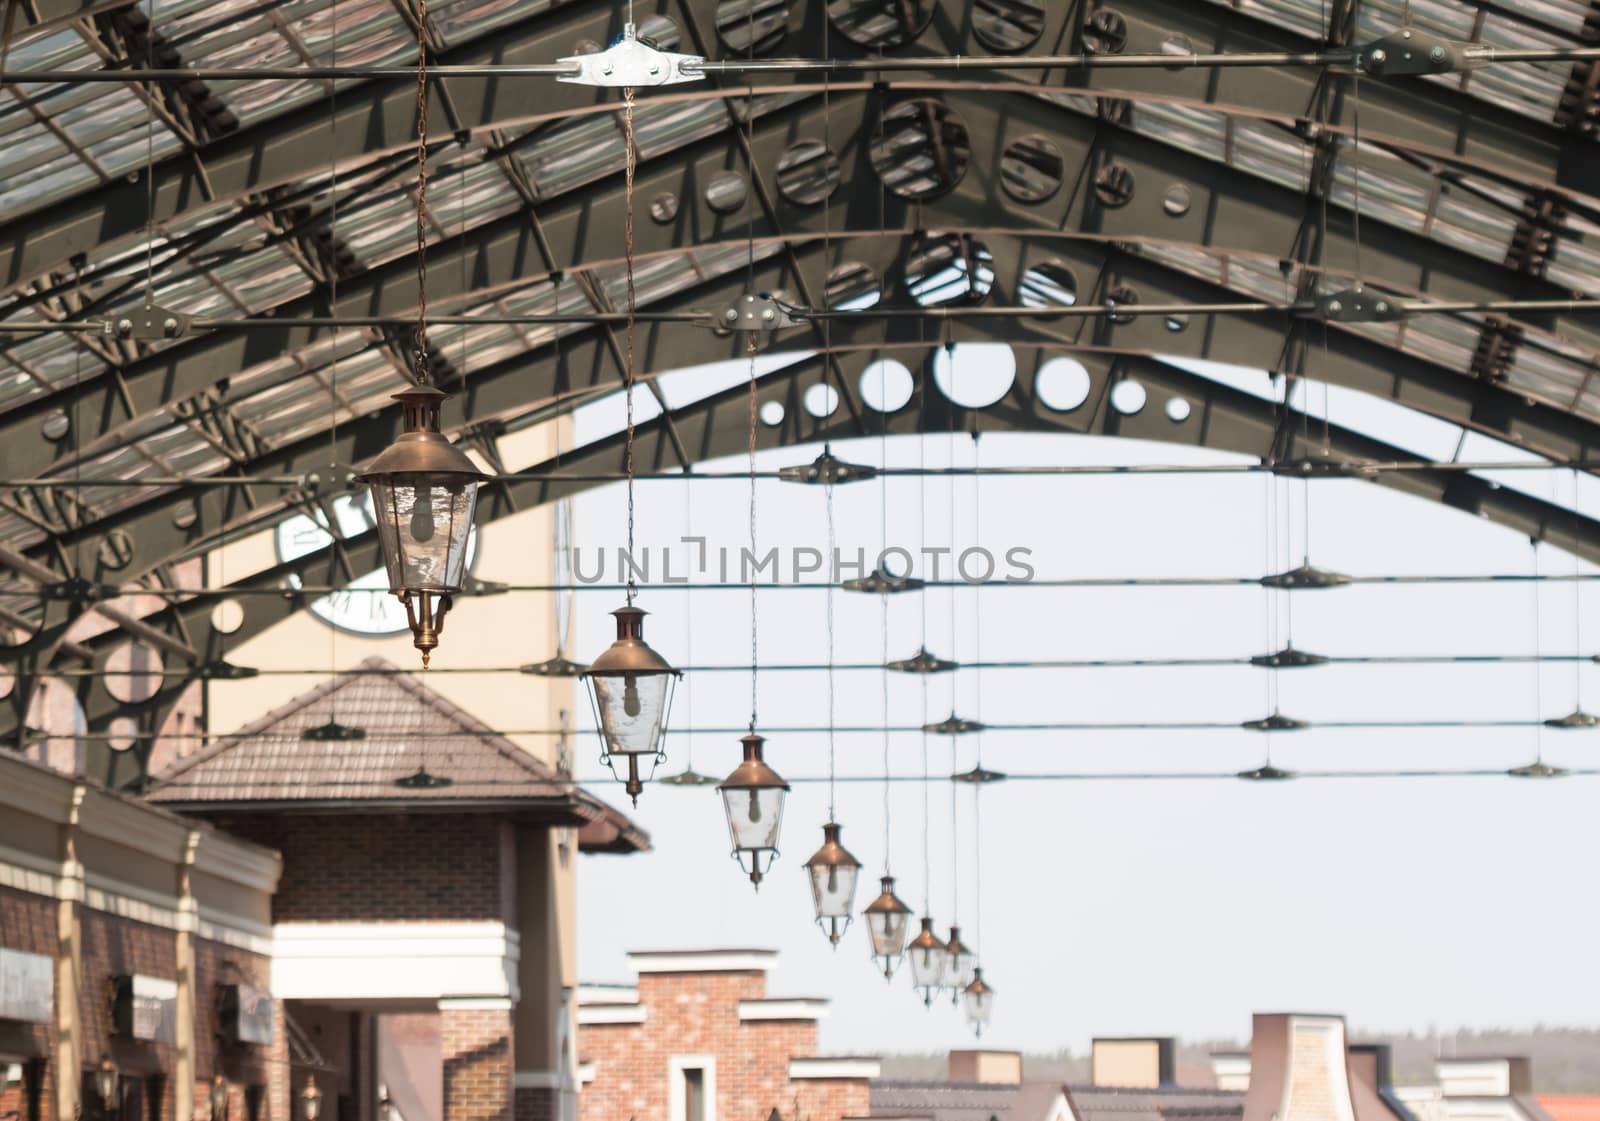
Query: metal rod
x: 1333, y: 469
x: 821, y: 667
x: 1346, y: 56
x: 707, y: 317
x: 858, y: 730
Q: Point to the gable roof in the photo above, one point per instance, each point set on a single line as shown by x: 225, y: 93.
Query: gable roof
x: 408, y: 729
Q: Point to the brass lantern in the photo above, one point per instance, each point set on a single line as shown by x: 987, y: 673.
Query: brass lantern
x: 219, y: 1098
x: 959, y: 962
x: 833, y: 872
x: 630, y: 686
x: 105, y: 1082
x: 886, y: 926
x: 979, y: 999
x: 424, y: 491
x: 927, y: 953
x: 752, y: 797
x: 310, y: 1100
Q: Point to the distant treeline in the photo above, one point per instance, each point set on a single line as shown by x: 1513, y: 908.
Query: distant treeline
x: 1565, y: 1060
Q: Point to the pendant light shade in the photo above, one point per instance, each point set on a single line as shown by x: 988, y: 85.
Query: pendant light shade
x: 424, y: 493
x: 219, y: 1098
x: 959, y: 962
x: 927, y: 953
x: 887, y: 918
x: 105, y: 1081
x: 631, y: 687
x: 311, y: 1100
x: 753, y: 797
x: 979, y: 998
x: 833, y: 873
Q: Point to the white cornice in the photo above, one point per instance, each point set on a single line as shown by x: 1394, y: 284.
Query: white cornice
x: 821, y: 1067
x: 409, y: 960
x: 239, y: 862
x: 586, y: 1073
x: 35, y: 791
x: 608, y: 994
x: 797, y: 1008
x: 135, y: 826
x: 593, y: 1014
x: 701, y: 961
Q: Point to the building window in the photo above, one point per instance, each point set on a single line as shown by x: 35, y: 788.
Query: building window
x: 692, y: 1088
x: 694, y: 1094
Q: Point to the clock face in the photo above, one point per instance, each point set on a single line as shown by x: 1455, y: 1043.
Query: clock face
x: 364, y: 605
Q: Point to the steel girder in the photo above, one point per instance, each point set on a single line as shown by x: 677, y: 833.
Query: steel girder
x: 1236, y: 216
x: 1220, y: 417
x: 1399, y: 112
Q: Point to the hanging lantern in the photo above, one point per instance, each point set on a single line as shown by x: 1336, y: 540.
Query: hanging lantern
x: 424, y: 491
x: 927, y: 955
x: 105, y: 1081
x: 979, y: 999
x: 833, y: 873
x: 219, y: 1098
x: 310, y: 1100
x: 630, y: 686
x: 752, y: 797
x: 959, y: 962
x: 886, y: 925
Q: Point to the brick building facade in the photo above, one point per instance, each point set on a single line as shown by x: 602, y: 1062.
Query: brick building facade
x: 698, y: 1039
x: 121, y: 926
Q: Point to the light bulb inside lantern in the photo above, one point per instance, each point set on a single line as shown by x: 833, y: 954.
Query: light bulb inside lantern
x: 422, y: 513
x: 833, y: 878
x: 755, y: 806
x: 630, y: 696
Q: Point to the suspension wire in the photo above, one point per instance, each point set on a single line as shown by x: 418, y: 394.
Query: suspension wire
x: 1538, y: 674
x: 424, y: 374
x: 755, y: 662
x: 333, y: 309
x: 629, y: 165
x: 1577, y: 609
x: 150, y: 163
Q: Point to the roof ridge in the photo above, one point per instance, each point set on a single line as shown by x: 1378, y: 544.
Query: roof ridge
x: 475, y: 727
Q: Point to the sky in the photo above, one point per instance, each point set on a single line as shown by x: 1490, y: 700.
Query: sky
x: 1128, y: 906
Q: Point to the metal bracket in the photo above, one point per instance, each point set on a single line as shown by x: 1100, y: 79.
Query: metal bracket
x: 978, y: 775
x: 879, y: 582
x: 1267, y: 773
x: 755, y: 312
x: 146, y: 324
x: 75, y: 589
x: 826, y: 469
x: 954, y: 725
x: 632, y: 61
x: 554, y: 667
x: 1288, y: 658
x: 1410, y: 51
x: 334, y: 732
x: 1537, y: 769
x: 1306, y: 576
x: 341, y: 479
x: 223, y: 670
x: 922, y: 662
x: 1356, y: 305
x: 1276, y: 722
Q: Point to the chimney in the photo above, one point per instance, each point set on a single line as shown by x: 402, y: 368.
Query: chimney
x: 999, y: 1067
x: 1141, y: 1063
x: 1231, y: 1070
x: 1299, y: 1069
x: 1497, y: 1076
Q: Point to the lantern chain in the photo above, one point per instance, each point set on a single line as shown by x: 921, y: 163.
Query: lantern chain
x: 421, y: 339
x: 629, y: 164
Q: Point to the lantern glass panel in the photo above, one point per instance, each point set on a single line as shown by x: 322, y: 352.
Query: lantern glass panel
x: 833, y: 889
x: 958, y: 968
x: 927, y: 965
x: 423, y: 523
x: 980, y: 1005
x: 631, y: 710
x: 755, y: 816
x: 888, y: 932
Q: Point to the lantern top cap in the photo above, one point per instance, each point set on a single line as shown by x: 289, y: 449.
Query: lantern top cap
x: 630, y: 653
x: 956, y: 946
x: 887, y: 902
x: 753, y: 773
x: 977, y: 984
x: 926, y: 938
x: 832, y: 854
x: 421, y: 449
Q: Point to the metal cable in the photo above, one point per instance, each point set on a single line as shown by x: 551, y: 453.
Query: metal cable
x: 629, y: 165
x: 424, y: 375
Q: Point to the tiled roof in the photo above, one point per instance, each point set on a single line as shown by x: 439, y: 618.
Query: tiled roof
x: 946, y: 1101
x: 408, y: 729
x: 1110, y: 1103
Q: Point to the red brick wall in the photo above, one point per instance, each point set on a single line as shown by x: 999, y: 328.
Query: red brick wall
x: 698, y: 1014
x: 28, y: 923
x: 113, y: 947
x: 476, y: 1046
x: 241, y: 1064
x: 377, y: 867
